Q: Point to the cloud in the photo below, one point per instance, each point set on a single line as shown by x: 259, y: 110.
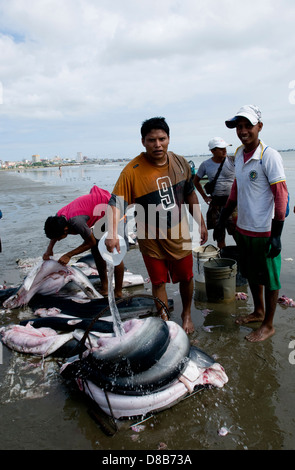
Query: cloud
x: 102, y: 64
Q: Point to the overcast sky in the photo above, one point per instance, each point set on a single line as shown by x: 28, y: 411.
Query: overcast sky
x: 82, y: 75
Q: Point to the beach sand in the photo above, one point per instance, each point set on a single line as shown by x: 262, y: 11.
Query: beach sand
x: 39, y: 410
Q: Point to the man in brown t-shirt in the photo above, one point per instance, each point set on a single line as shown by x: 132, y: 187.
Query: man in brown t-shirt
x: 160, y: 184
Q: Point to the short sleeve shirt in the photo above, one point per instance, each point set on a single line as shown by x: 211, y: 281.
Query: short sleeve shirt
x: 78, y: 225
x: 254, y: 194
x: 225, y: 179
x: 159, y: 194
x: 85, y: 211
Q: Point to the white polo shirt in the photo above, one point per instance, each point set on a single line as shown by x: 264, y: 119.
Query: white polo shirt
x: 254, y: 178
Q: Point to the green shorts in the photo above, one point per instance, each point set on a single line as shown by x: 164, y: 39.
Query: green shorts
x: 254, y: 263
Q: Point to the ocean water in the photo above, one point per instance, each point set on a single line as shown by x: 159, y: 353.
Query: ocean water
x: 40, y: 411
x: 80, y: 177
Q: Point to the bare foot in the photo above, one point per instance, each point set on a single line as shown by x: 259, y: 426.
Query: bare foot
x: 118, y: 295
x: 103, y: 289
x: 263, y: 333
x: 187, y: 324
x: 103, y: 293
x: 253, y: 317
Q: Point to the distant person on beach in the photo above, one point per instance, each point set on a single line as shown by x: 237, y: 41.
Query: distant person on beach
x: 77, y: 218
x: 160, y: 184
x: 261, y: 194
x: 220, y: 170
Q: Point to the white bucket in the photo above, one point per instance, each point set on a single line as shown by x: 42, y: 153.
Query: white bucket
x: 202, y: 254
x: 113, y: 258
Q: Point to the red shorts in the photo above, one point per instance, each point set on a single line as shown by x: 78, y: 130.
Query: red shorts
x: 162, y: 271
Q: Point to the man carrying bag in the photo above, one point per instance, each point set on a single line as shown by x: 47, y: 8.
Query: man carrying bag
x: 221, y: 173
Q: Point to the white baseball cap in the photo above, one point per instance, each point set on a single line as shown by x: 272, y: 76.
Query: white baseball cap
x: 218, y: 142
x: 249, y: 111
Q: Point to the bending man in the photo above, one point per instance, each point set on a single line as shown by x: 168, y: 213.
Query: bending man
x: 77, y: 218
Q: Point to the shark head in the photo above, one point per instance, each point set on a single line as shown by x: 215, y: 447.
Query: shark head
x: 17, y: 299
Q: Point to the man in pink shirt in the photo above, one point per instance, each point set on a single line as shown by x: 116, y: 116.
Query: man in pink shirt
x: 260, y: 194
x: 77, y: 218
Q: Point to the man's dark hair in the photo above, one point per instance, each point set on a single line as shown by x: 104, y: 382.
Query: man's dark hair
x: 154, y: 123
x: 54, y: 227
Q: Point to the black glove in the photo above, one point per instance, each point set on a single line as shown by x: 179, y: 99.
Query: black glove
x: 275, y: 238
x: 219, y: 230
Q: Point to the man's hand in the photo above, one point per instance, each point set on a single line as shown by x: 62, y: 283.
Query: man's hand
x: 47, y: 255
x: 49, y: 249
x: 203, y: 234
x: 65, y: 259
x: 112, y: 243
x: 275, y: 238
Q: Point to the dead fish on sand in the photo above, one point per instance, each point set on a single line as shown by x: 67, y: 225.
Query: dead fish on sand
x: 241, y: 296
x: 47, y: 278
x: 37, y: 341
x: 286, y: 301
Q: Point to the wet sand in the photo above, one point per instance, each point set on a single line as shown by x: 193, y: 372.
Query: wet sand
x: 40, y: 411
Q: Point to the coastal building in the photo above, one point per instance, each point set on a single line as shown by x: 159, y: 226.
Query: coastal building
x: 36, y: 158
x: 57, y: 159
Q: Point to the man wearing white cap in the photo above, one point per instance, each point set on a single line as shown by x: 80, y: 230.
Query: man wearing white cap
x: 221, y: 173
x: 261, y: 195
